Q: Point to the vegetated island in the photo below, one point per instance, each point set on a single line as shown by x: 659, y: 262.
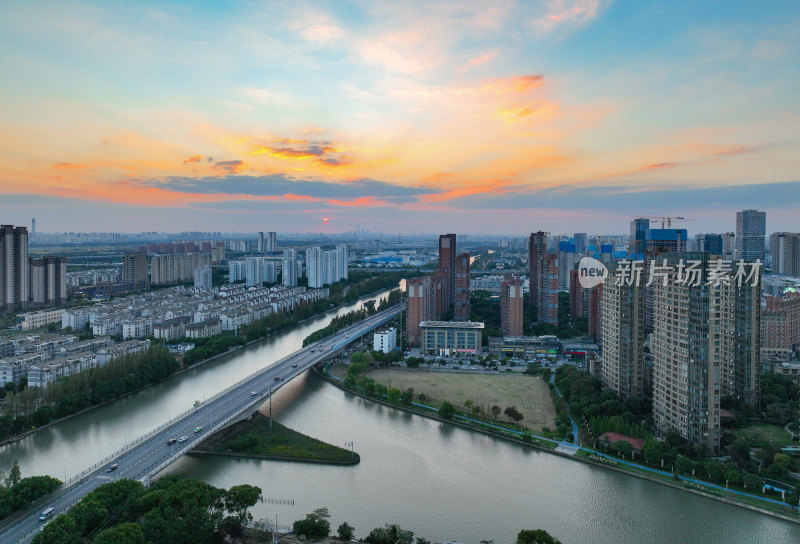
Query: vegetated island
x: 255, y: 439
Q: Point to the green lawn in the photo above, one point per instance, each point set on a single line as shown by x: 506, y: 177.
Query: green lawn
x: 762, y: 434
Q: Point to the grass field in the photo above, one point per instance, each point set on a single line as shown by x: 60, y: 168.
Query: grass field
x: 255, y: 437
x: 763, y: 433
x: 529, y: 394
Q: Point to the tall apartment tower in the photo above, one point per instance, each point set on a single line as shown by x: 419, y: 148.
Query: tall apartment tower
x: 14, y: 268
x: 581, y: 243
x: 260, y: 242
x: 705, y: 346
x: 537, y: 248
x: 780, y: 326
x: 511, y: 306
x: 462, y: 308
x: 342, y: 262
x: 203, y: 278
x: 712, y: 243
x: 289, y: 272
x: 751, y: 226
x: 785, y: 250
x: 134, y: 268
x: 271, y: 243
x: 729, y: 245
x: 420, y: 306
x: 623, y: 324
x: 314, y: 271
x: 48, y: 284
x: 447, y: 269
x: 547, y: 280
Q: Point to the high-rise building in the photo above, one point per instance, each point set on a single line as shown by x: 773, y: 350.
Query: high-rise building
x: 14, y: 268
x: 511, y: 306
x: 342, y: 262
x: 272, y: 241
x: 462, y: 308
x: 780, y: 326
x: 48, y: 283
x: 712, y: 243
x: 289, y: 272
x: 566, y: 262
x: 622, y: 309
x: 203, y: 278
x: 595, y: 316
x: 729, y: 246
x: 237, y: 271
x: 578, y: 297
x: 547, y: 279
x: 260, y: 242
x: 420, y: 306
x: 134, y: 268
x: 176, y: 267
x: 581, y: 243
x: 537, y: 248
x: 314, y: 271
x: 785, y: 252
x: 751, y: 227
x: 447, y: 269
x: 705, y: 345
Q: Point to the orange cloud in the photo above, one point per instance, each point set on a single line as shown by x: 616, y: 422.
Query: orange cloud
x: 357, y: 202
x: 68, y: 166
x: 193, y: 158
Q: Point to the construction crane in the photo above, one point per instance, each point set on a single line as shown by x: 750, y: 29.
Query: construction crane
x: 667, y: 220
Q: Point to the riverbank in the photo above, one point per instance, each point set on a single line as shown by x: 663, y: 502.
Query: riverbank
x: 15, y: 438
x: 255, y: 438
x: 767, y: 506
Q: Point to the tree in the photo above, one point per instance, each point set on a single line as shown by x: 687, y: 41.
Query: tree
x: 446, y: 410
x: 513, y: 414
x: 495, y: 411
x: 714, y: 471
x: 390, y: 534
x: 739, y: 452
x: 781, y: 459
x: 239, y: 498
x: 345, y: 531
x: 684, y: 465
x: 624, y: 448
x: 536, y: 536
x: 315, y: 525
x: 14, y: 475
x: 752, y: 482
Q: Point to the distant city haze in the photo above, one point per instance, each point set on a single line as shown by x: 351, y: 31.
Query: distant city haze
x: 569, y: 115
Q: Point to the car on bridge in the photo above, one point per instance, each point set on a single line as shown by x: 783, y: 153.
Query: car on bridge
x: 294, y: 365
x: 171, y: 441
x: 253, y: 393
x: 198, y: 429
x: 112, y: 468
x: 183, y: 439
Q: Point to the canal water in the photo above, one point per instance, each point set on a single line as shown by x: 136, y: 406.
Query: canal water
x: 440, y: 481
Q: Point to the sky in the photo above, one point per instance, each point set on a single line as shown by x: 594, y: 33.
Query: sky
x: 464, y: 116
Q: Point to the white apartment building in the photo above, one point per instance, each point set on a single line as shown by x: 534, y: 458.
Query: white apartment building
x: 385, y: 340
x: 202, y: 278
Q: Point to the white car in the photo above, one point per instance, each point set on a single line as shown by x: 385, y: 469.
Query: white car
x: 183, y: 439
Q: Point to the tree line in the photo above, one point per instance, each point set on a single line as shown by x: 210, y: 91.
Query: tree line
x: 316, y: 526
x: 17, y: 493
x: 34, y: 407
x: 173, y: 509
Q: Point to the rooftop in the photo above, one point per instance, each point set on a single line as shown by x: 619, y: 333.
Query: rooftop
x: 452, y: 324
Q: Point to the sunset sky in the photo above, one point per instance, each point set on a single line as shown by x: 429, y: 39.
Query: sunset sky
x: 465, y: 116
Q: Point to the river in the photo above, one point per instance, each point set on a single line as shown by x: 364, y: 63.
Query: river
x: 440, y: 481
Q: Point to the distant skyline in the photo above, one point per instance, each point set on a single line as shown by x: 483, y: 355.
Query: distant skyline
x: 464, y: 116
